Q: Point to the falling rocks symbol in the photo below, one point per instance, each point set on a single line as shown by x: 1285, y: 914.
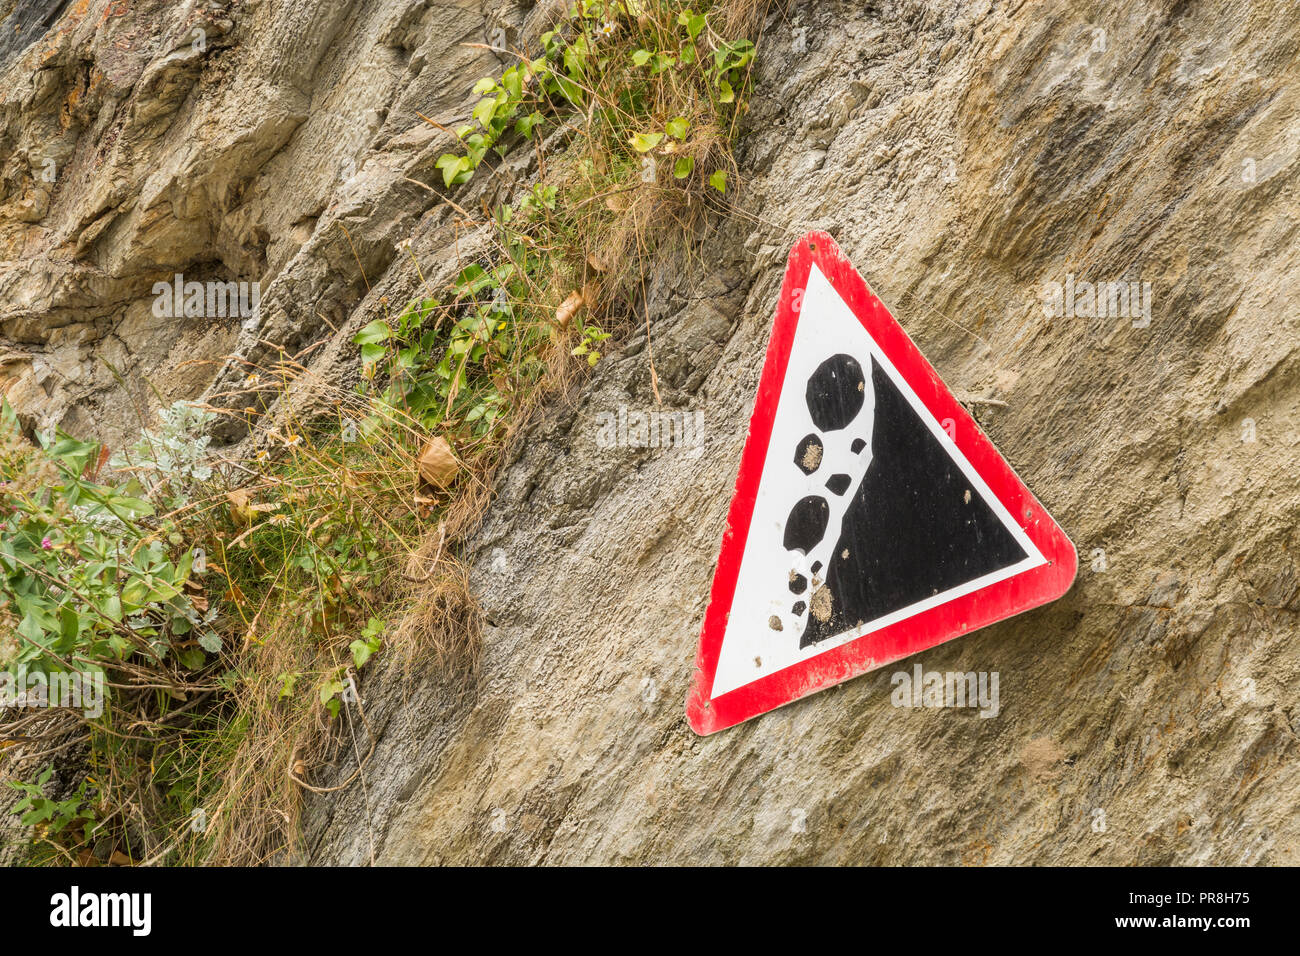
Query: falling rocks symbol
x: 913, y: 530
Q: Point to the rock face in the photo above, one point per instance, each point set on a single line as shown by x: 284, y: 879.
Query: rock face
x: 224, y: 141
x: 986, y: 166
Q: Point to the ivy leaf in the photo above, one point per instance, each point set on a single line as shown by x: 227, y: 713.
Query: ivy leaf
x: 525, y: 125
x: 644, y: 142
x: 472, y: 280
x: 363, y: 649
x: 376, y: 331
x: 484, y: 110
x: 662, y: 62
x: 641, y: 57
x: 329, y: 690
x: 677, y: 127
x: 452, y: 166
x: 719, y: 180
x: 512, y: 82
x: 684, y: 166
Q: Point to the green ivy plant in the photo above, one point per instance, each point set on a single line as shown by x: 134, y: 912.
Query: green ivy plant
x: 86, y: 572
x: 36, y: 809
x: 447, y: 362
x: 573, y: 59
x: 454, y: 363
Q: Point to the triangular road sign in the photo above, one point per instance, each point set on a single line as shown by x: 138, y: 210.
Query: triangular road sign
x: 872, y: 518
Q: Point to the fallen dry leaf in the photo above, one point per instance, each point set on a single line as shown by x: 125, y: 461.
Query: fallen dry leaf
x: 237, y: 501
x: 438, y: 464
x: 568, y: 309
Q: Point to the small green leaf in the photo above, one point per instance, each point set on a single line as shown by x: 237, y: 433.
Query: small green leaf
x: 287, y: 684
x: 329, y: 690
x: 677, y: 127
x: 525, y: 125
x: 376, y: 331
x: 512, y: 82
x: 484, y: 111
x: 453, y: 168
x: 644, y: 142
x: 719, y: 181
x: 360, y: 653
x: 192, y: 658
x: 684, y: 166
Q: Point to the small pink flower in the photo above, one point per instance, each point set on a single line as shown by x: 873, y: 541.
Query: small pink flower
x: 46, y: 544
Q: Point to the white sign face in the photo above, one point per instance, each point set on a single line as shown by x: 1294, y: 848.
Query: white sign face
x: 811, y: 514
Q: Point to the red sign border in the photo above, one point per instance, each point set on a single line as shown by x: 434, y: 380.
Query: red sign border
x: 921, y: 631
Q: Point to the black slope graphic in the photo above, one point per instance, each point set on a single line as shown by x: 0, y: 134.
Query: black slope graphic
x: 915, y: 528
